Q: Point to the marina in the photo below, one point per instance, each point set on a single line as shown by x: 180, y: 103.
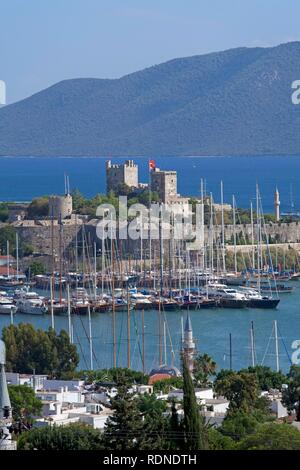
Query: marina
x: 124, y: 304
x: 211, y: 329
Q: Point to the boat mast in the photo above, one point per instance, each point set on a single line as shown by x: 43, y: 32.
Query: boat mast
x: 17, y: 254
x: 113, y: 309
x: 154, y: 268
x: 102, y: 263
x: 276, y: 346
x: 252, y: 344
x: 165, y: 342
x: 252, y: 236
x: 161, y: 287
x: 51, y: 303
x: 95, y: 270
x: 7, y: 257
x: 160, y: 333
x: 234, y: 233
x: 170, y: 269
x: 150, y: 234
x: 223, y: 231
x: 83, y: 256
x: 258, y: 239
x: 90, y: 337
x: 143, y: 340
x: 141, y: 247
x: 60, y: 259
x: 128, y: 330
x: 76, y: 251
x: 211, y: 238
x: 230, y: 351
x: 161, y: 251
x: 69, y: 313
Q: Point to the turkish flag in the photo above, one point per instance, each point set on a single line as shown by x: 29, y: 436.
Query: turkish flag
x: 151, y: 164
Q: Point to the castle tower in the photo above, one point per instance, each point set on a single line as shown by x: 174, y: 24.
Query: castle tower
x: 6, y: 442
x: 277, y: 205
x: 121, y: 174
x: 165, y: 184
x: 189, y: 348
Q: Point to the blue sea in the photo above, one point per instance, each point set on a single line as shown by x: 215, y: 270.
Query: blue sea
x: 21, y: 179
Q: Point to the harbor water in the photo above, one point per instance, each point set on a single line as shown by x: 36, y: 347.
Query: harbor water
x: 211, y: 328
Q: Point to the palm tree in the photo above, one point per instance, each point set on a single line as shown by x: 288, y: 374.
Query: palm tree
x: 204, y: 368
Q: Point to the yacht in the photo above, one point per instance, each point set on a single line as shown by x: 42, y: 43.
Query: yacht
x: 80, y: 302
x: 141, y: 301
x: 227, y: 296
x: 31, y: 303
x: 257, y: 300
x: 7, y: 307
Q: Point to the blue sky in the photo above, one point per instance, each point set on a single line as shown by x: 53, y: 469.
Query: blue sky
x: 45, y: 41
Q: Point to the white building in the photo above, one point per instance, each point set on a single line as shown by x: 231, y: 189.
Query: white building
x: 72, y: 385
x: 92, y: 414
x: 31, y: 380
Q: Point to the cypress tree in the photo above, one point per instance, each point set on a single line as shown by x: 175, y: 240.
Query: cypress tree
x: 124, y: 429
x: 194, y: 427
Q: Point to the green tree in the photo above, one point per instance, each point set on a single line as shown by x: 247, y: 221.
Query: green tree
x: 272, y: 437
x: 26, y: 249
x: 39, y: 207
x: 204, y: 369
x: 72, y: 437
x: 218, y: 441
x: 124, y: 429
x: 123, y: 189
x: 241, y: 389
x: 176, y: 427
x: 165, y: 385
x: 194, y: 428
x: 291, y: 396
x: 24, y: 404
x: 3, y: 212
x: 44, y: 351
x: 266, y: 377
x: 238, y: 425
x: 156, y: 427
x: 36, y: 267
x: 7, y: 234
x: 113, y: 375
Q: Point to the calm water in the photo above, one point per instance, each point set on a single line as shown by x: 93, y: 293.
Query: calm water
x: 21, y: 179
x: 211, y: 331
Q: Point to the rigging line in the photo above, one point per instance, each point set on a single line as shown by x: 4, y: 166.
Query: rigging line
x: 268, y: 246
x: 87, y: 336
x: 268, y: 345
x: 244, y: 237
x: 170, y: 338
x: 137, y: 335
x: 120, y: 335
x: 80, y: 346
x: 283, y: 342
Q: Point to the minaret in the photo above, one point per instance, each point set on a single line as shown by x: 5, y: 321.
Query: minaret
x: 189, y: 347
x: 6, y: 442
x: 277, y: 205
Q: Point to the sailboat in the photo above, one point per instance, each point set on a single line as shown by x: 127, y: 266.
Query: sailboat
x: 255, y: 297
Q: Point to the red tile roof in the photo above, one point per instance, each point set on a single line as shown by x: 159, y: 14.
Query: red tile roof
x: 156, y: 377
x: 3, y: 271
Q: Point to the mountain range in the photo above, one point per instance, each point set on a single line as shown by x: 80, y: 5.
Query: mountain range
x: 234, y: 102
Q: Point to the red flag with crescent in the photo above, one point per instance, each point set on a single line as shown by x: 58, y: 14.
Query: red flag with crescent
x: 151, y: 165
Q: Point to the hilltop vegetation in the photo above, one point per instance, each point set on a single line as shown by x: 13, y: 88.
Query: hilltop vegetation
x: 225, y: 103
